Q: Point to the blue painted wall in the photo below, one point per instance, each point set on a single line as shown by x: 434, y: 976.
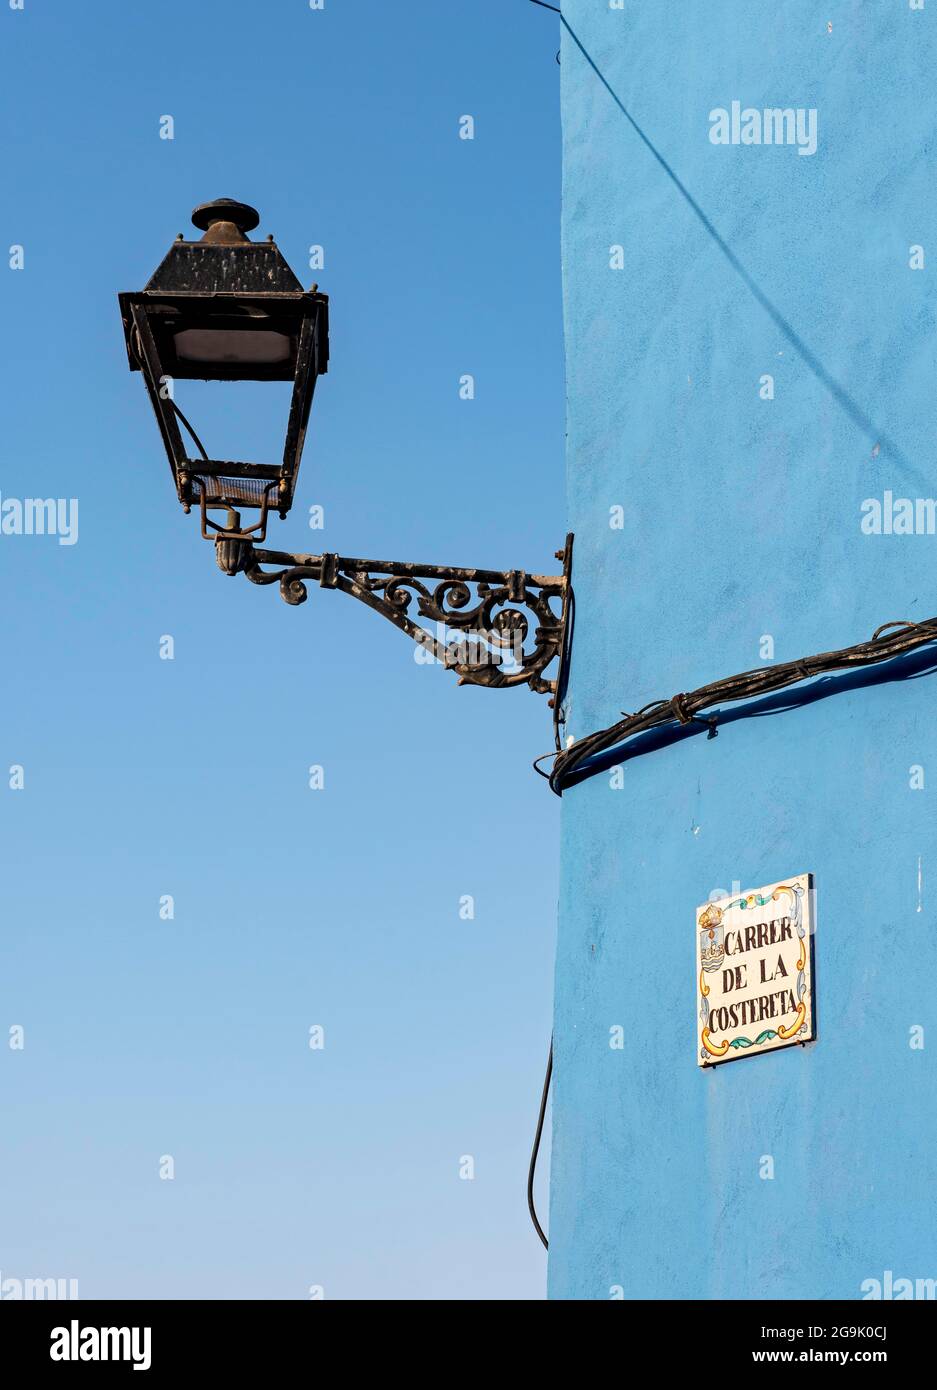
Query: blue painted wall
x: 742, y: 519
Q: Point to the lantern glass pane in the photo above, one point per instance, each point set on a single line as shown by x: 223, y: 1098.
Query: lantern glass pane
x: 214, y: 345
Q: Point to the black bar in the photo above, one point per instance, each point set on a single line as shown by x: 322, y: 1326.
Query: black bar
x: 721, y: 1340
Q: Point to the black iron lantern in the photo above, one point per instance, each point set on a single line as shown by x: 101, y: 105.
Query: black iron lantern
x: 225, y: 308
x: 229, y: 309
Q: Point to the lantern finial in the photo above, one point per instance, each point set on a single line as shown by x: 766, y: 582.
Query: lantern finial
x: 225, y: 219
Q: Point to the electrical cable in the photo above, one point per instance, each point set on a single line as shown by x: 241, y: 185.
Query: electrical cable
x: 562, y: 675
x: 138, y: 355
x: 684, y: 708
x: 532, y: 1169
x: 198, y: 443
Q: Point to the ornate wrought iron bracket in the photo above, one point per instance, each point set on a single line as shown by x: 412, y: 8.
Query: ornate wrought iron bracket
x: 505, y: 633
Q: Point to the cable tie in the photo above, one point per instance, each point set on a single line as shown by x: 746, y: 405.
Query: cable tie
x: 679, y: 709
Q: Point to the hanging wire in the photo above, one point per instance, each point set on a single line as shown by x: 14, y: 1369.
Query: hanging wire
x: 138, y: 355
x: 562, y: 674
x: 531, y: 1171
x: 184, y: 422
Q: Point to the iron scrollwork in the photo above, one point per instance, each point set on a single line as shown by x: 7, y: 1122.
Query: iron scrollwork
x: 496, y: 628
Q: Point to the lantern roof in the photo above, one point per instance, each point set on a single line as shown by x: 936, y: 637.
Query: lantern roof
x: 224, y: 260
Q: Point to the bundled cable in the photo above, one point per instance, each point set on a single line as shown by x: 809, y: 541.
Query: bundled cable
x: 888, y: 641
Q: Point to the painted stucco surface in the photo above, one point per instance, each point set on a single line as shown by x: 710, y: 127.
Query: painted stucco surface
x: 741, y: 520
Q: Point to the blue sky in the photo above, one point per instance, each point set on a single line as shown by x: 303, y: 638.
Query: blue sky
x: 146, y: 777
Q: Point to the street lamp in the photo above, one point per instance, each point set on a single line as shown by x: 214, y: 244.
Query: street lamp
x: 225, y: 308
